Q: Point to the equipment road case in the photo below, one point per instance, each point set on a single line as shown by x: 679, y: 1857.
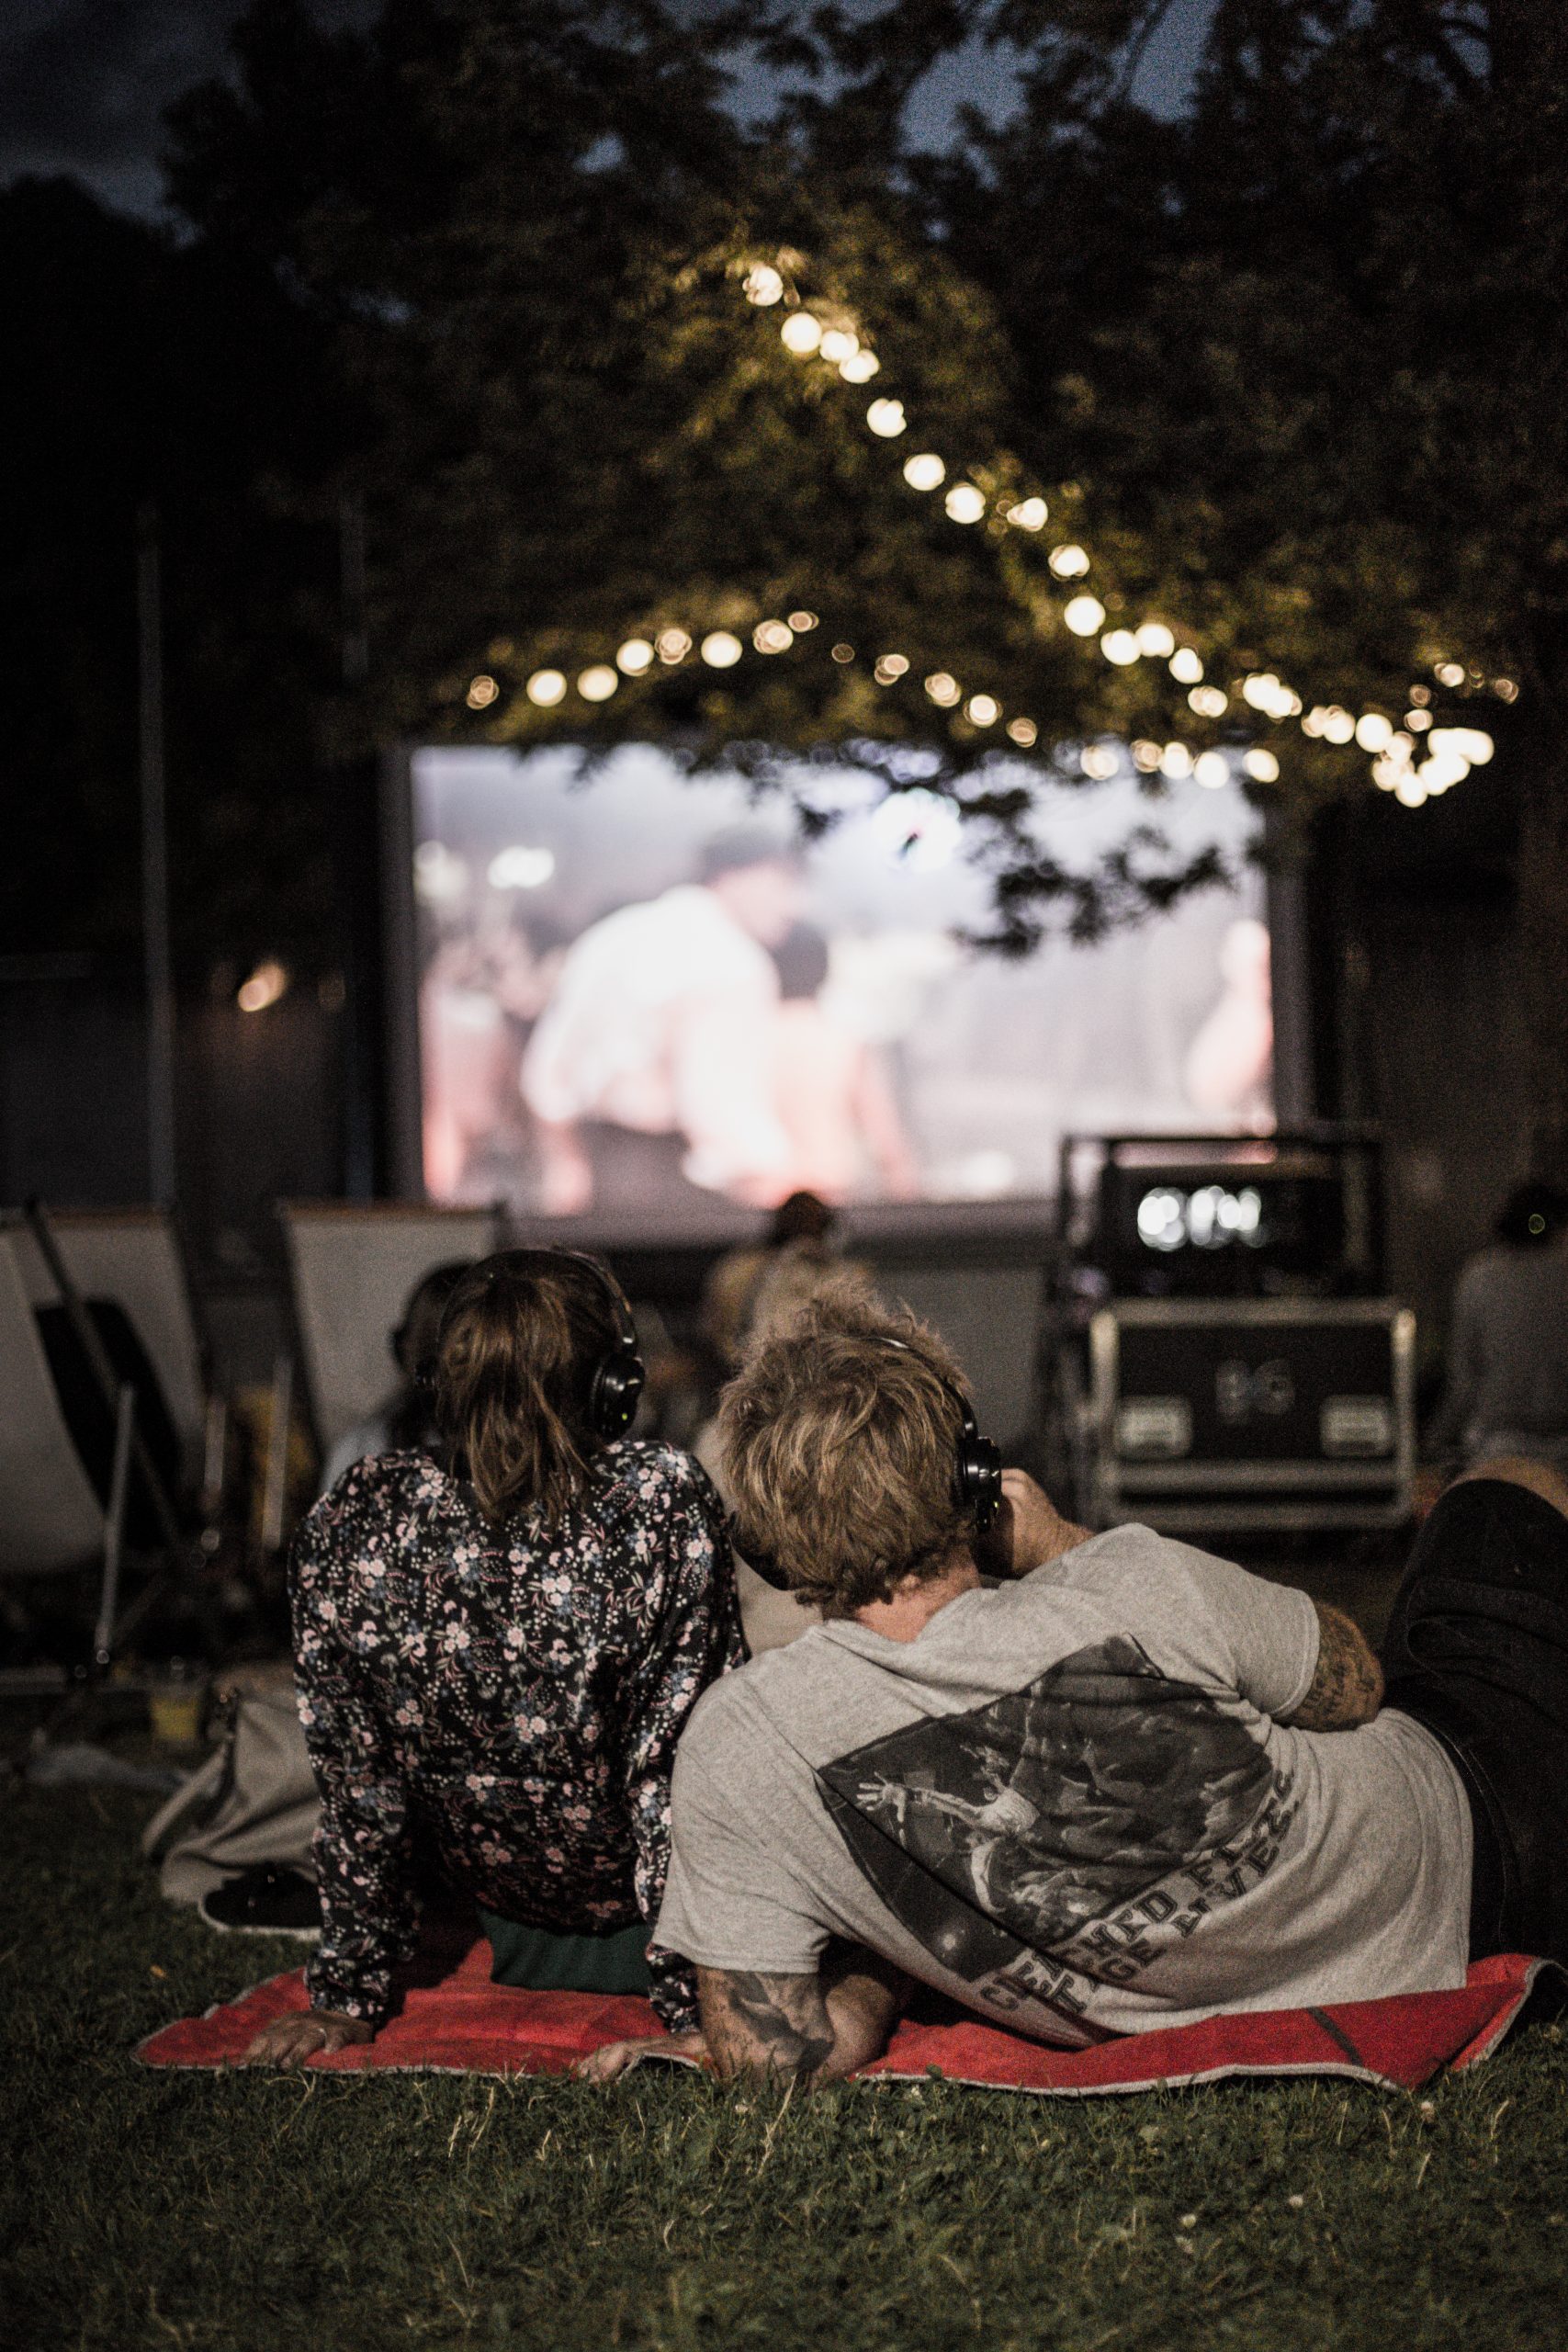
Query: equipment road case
x: 1251, y: 1413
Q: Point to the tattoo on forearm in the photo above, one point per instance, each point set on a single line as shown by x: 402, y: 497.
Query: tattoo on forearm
x: 1346, y: 1688
x: 774, y: 2024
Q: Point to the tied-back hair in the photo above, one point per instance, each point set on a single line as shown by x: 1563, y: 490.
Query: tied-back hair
x: 840, y: 1452
x: 521, y: 1338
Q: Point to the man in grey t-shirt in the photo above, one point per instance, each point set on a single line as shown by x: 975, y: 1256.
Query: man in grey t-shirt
x: 1128, y: 1786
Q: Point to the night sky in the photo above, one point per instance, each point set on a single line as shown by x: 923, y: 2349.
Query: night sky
x: 83, y: 82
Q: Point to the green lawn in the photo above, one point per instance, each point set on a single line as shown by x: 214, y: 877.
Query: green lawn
x: 223, y: 2214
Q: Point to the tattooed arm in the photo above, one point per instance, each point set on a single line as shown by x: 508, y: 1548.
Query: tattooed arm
x: 808, y: 2029
x: 1347, y: 1687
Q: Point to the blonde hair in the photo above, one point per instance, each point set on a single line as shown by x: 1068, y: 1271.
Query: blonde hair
x: 840, y: 1452
x: 521, y: 1338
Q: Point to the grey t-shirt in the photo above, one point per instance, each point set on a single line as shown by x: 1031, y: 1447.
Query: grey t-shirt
x: 1070, y: 1804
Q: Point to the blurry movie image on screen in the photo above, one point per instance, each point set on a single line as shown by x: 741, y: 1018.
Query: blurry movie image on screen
x: 644, y: 1002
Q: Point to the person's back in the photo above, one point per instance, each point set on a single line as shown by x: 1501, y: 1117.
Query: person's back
x: 1507, y: 1389
x: 1131, y: 1786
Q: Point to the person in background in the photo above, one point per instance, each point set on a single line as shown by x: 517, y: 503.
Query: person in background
x: 649, y: 1073
x: 1508, y: 1387
x: 838, y: 1109
x: 1230, y: 1061
x: 802, y: 1227
x: 496, y: 1653
x: 405, y: 1419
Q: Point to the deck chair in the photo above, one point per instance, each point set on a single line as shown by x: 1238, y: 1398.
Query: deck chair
x: 352, y: 1265
x: 133, y: 1256
x: 52, y: 1519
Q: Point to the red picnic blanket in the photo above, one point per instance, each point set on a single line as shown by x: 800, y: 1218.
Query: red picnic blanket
x: 459, y: 2022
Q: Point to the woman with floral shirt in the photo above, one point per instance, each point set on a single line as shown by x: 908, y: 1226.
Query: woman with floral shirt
x: 496, y: 1652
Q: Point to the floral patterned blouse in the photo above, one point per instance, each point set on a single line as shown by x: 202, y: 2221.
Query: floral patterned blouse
x: 504, y: 1702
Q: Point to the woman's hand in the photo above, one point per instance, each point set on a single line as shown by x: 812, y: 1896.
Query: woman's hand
x: 619, y: 2057
x: 288, y: 2042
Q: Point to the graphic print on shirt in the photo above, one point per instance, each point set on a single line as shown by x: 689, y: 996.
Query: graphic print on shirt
x: 1060, y: 1837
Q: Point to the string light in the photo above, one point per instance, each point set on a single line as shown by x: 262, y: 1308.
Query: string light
x: 982, y: 710
x: 1261, y: 765
x: 887, y: 418
x: 598, y: 683
x: 721, y: 651
x: 1120, y: 645
x: 838, y: 344
x: 1212, y: 770
x: 1175, y: 760
x: 925, y: 472
x: 1084, y: 615
x: 801, y: 622
x: 963, y: 503
x: 635, y: 656
x: 673, y: 645
x: 943, y: 691
x: 1023, y: 732
x: 1068, y: 562
x: 1099, y: 762
x: 890, y: 668
x: 1208, y: 702
x: 1449, y: 673
x: 1373, y: 731
x: 482, y: 692
x: 859, y: 366
x: 772, y: 636
x: 1185, y: 666
x: 762, y: 285
x: 545, y: 688
x: 1029, y: 514
x: 1155, y: 640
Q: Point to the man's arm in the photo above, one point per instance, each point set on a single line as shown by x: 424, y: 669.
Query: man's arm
x: 1347, y: 1685
x: 807, y: 2029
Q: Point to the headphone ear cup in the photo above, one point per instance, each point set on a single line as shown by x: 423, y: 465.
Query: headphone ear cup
x: 617, y: 1389
x: 980, y: 1476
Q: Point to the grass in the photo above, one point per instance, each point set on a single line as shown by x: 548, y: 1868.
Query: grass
x: 250, y: 2213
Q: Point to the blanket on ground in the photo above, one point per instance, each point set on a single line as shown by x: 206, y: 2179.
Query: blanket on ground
x: 454, y: 2020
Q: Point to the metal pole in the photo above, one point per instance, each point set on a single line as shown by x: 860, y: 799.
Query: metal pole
x: 154, y: 864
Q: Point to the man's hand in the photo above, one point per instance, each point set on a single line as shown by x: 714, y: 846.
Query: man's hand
x: 1027, y: 1531
x: 1347, y: 1687
x: 288, y: 2042
x: 808, y: 2030
x: 619, y: 2057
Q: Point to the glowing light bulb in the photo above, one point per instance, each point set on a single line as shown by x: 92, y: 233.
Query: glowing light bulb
x: 1185, y: 666
x: 1259, y: 689
x: 721, y: 651
x: 1084, y: 615
x: 1373, y: 731
x: 800, y: 622
x: 1212, y: 770
x: 801, y: 333
x: 1418, y: 721
x: 673, y: 645
x: 1068, y: 562
x: 762, y: 285
x: 1099, y: 762
x: 482, y: 691
x: 925, y: 472
x: 1442, y: 769
x: 265, y: 985
x: 859, y: 366
x: 597, y: 683
x: 887, y: 418
x: 963, y: 503
x: 1155, y: 640
x: 545, y: 688
x: 843, y: 654
x: 1145, y: 757
x: 1339, y: 726
x: 1506, y: 689
x: 943, y: 690
x: 982, y: 710
x: 1023, y: 732
x: 772, y: 636
x: 889, y: 668
x: 1120, y: 645
x: 1208, y: 702
x: 1030, y: 514
x: 635, y: 656
x: 1474, y: 744
x: 1410, y: 789
x: 1175, y: 760
x: 838, y: 344
x: 1449, y: 673
x: 1261, y: 765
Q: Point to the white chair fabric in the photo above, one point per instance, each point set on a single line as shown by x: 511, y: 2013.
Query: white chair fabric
x: 49, y: 1518
x: 352, y: 1266
x: 133, y: 1256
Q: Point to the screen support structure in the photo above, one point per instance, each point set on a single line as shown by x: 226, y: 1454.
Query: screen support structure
x: 405, y: 1156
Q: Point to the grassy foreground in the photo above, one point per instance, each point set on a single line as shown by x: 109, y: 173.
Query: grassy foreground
x: 248, y: 2213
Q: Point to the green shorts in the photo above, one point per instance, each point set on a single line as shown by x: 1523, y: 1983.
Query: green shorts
x: 542, y: 1960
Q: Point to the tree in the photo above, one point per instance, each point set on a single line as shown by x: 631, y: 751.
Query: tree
x: 1291, y: 368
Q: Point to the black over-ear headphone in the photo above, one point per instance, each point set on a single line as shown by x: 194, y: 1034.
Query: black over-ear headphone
x: 620, y: 1377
